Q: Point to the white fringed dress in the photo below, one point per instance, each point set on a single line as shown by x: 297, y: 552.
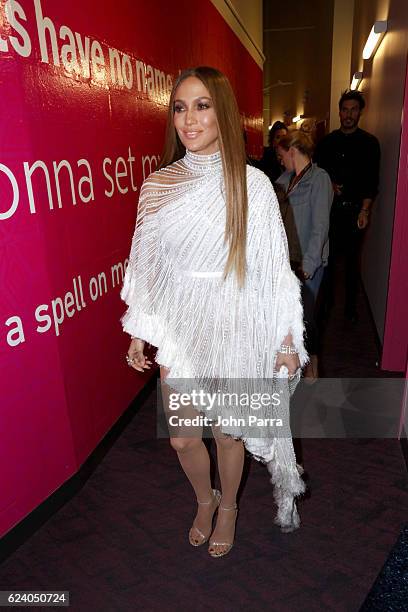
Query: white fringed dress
x: 204, y: 327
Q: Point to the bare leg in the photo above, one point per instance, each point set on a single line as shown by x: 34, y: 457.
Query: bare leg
x: 230, y: 455
x: 195, y: 461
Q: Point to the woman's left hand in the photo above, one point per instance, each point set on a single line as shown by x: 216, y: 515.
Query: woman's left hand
x: 290, y: 361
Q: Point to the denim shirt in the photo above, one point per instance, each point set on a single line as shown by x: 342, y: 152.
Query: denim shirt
x: 310, y: 201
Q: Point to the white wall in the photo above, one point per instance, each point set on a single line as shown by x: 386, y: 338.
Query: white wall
x: 383, y: 87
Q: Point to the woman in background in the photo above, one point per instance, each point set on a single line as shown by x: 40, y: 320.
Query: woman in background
x: 210, y: 285
x: 309, y: 195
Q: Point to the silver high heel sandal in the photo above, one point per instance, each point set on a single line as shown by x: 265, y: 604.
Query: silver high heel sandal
x: 229, y: 545
x: 217, y: 497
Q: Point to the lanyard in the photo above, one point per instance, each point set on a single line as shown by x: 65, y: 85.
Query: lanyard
x: 296, y: 178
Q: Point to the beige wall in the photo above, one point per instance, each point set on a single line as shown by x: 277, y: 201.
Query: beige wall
x: 383, y: 87
x: 245, y: 19
x: 297, y: 45
x: 250, y: 12
x: 343, y: 19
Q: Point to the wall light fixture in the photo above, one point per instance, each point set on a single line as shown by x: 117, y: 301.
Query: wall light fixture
x: 357, y: 78
x: 377, y: 32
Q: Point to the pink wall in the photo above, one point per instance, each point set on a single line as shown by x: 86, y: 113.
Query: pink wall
x: 395, y: 348
x: 64, y: 380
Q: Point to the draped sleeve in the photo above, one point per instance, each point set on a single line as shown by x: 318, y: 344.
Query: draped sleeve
x: 269, y: 262
x: 142, y: 276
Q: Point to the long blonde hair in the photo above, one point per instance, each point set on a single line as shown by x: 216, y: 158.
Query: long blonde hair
x: 232, y: 148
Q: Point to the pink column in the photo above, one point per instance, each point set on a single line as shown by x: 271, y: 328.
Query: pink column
x: 395, y: 347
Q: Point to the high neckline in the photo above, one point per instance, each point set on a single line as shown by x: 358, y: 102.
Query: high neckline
x: 203, y: 163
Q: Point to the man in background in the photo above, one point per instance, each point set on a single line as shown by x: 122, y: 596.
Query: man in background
x: 351, y: 156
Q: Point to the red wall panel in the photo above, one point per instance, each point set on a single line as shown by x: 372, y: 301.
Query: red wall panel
x: 64, y: 380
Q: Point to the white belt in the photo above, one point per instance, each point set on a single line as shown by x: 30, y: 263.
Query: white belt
x: 200, y: 274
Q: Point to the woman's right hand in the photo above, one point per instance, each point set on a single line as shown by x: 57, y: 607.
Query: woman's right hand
x: 136, y: 358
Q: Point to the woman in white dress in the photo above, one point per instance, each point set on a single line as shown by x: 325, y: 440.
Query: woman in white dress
x: 209, y: 284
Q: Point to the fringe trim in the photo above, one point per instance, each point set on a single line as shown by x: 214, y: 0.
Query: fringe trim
x: 285, y: 478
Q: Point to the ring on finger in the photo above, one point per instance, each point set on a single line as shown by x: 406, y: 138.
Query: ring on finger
x: 129, y: 361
